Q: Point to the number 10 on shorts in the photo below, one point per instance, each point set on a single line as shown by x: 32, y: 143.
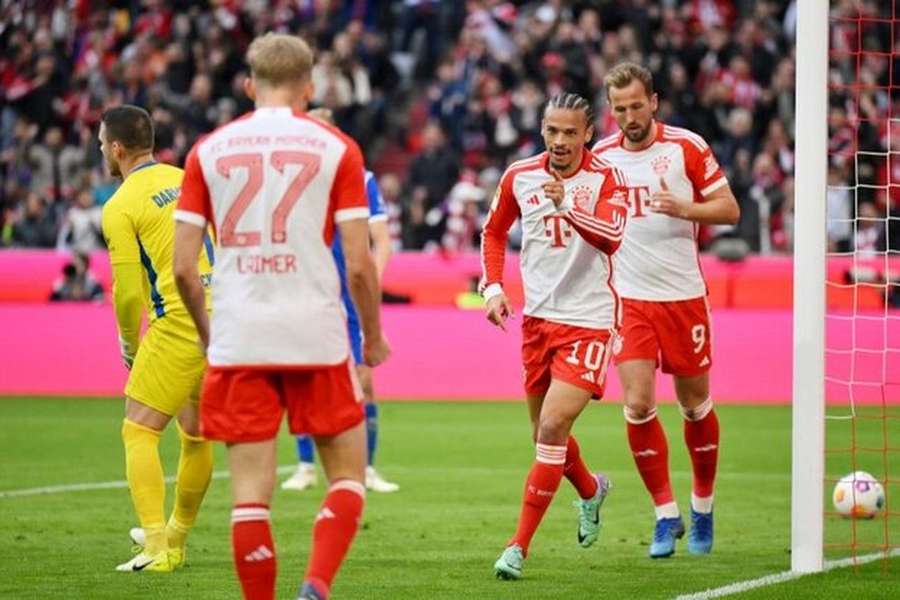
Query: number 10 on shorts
x: 593, y: 355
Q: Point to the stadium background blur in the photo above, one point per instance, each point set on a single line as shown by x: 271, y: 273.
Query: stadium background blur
x: 441, y: 96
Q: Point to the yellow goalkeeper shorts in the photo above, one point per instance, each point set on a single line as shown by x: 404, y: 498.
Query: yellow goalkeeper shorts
x: 168, y: 369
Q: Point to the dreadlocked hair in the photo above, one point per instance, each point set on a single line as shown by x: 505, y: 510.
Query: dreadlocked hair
x: 569, y: 101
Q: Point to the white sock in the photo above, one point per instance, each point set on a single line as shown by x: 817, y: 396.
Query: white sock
x: 702, y: 505
x: 669, y: 510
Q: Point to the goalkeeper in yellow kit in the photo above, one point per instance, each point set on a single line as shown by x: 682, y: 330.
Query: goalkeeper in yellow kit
x: 167, y: 364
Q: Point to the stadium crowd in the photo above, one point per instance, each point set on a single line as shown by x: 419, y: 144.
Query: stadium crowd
x: 450, y: 91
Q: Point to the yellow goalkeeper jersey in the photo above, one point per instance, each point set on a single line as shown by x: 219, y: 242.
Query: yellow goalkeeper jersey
x: 139, y: 227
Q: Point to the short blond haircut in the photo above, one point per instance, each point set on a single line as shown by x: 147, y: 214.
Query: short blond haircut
x: 624, y: 73
x: 277, y: 59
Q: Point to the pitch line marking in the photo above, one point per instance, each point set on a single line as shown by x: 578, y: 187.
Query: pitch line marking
x: 775, y: 578
x: 105, y: 485
x: 121, y: 484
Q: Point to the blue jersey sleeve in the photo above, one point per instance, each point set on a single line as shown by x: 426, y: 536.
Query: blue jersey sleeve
x: 376, y: 202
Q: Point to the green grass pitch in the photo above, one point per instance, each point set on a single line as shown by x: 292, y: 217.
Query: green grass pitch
x: 461, y: 468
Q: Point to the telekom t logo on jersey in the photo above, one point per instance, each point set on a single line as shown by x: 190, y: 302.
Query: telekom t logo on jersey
x: 557, y: 229
x: 638, y: 201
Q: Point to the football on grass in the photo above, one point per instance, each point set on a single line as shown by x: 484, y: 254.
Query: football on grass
x: 858, y: 495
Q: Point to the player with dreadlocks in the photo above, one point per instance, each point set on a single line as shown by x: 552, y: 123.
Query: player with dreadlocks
x: 572, y: 208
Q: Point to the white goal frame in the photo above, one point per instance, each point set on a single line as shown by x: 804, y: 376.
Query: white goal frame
x: 810, y: 245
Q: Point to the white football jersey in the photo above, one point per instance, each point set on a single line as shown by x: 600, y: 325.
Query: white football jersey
x: 565, y: 260
x: 274, y: 183
x: 659, y: 259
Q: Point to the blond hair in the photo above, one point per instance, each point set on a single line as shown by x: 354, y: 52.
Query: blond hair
x: 277, y: 59
x: 624, y: 73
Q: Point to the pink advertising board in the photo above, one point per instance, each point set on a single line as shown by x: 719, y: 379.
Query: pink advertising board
x: 445, y: 353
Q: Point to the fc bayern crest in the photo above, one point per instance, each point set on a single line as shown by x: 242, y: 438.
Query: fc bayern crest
x: 660, y: 165
x: 581, y: 195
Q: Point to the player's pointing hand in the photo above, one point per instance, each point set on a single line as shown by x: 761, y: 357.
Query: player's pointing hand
x: 554, y: 190
x: 499, y: 310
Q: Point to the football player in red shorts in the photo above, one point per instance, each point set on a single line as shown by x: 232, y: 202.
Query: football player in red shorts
x: 674, y: 186
x: 276, y: 184
x: 573, y: 212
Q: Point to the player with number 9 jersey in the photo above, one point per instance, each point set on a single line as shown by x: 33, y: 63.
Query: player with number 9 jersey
x: 675, y: 185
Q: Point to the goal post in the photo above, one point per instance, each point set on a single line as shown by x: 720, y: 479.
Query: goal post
x: 810, y: 244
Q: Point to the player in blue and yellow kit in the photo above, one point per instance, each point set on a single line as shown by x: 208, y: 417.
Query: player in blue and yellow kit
x: 305, y: 475
x: 166, y: 365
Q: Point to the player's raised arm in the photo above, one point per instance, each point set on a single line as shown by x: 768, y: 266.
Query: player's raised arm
x: 192, y: 215
x: 504, y: 212
x: 604, y: 228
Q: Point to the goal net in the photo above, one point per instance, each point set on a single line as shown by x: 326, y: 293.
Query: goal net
x: 849, y: 164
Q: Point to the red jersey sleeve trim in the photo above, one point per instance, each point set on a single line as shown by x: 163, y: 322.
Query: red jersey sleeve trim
x: 194, y: 197
x: 348, y: 189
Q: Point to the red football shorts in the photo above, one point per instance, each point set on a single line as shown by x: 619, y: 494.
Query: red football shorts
x: 246, y: 405
x: 674, y: 334
x: 576, y: 355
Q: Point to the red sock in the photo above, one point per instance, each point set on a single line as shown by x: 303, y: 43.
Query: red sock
x: 254, y: 551
x: 651, y: 456
x: 334, y: 530
x: 542, y: 483
x: 702, y: 439
x: 577, y: 472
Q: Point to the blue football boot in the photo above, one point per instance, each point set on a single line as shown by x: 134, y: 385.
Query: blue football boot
x: 664, y: 536
x: 700, y: 539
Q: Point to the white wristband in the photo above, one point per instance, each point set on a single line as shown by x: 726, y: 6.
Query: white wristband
x: 495, y: 289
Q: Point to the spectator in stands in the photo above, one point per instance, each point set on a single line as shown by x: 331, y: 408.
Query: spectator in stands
x: 766, y: 193
x: 526, y: 113
x: 740, y: 177
x: 77, y: 284
x: 422, y: 226
x: 447, y: 99
x: 739, y: 136
x: 333, y: 88
x: 839, y: 207
x: 391, y: 189
x: 782, y: 97
x: 54, y: 164
x: 81, y: 230
x: 462, y: 233
x: 195, y: 110
x: 35, y: 227
x: 869, y: 238
x: 435, y: 170
x: 724, y: 69
x: 422, y: 16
